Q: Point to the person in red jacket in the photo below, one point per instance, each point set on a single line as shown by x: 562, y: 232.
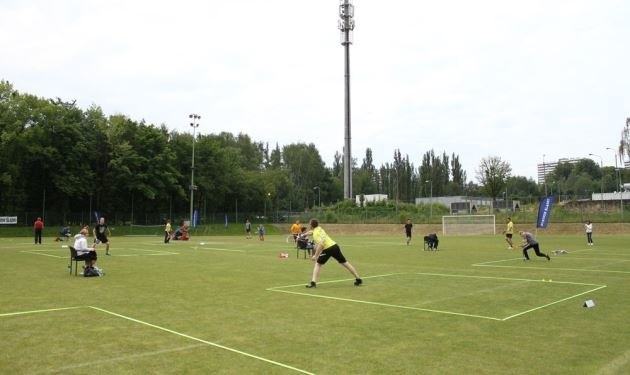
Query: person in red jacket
x: 39, y: 227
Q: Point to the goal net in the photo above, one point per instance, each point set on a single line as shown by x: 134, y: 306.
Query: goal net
x: 468, y: 224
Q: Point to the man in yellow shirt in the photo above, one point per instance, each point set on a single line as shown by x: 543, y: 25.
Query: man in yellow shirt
x: 325, y: 248
x: 295, y: 230
x: 509, y: 232
x: 167, y: 231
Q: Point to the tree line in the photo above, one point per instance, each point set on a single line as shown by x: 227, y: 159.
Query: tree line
x: 58, y: 159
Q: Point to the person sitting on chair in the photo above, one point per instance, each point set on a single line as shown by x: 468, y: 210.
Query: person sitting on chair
x: 432, y: 241
x: 64, y: 234
x: 303, y: 242
x: 88, y: 254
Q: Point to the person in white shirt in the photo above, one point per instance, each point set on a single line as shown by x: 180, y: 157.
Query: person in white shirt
x: 88, y: 254
x: 588, y: 228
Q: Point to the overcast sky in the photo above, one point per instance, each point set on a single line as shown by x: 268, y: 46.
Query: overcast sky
x: 514, y: 79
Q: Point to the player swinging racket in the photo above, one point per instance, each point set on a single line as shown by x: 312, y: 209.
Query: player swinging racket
x: 325, y: 248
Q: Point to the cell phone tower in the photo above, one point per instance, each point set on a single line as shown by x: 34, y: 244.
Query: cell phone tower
x: 346, y: 25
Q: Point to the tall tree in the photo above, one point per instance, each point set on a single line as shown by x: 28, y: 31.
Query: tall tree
x: 492, y: 174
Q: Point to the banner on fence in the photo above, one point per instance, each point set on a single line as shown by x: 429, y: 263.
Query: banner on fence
x: 8, y: 219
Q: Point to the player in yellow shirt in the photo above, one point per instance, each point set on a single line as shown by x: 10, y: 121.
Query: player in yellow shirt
x: 325, y: 248
x: 509, y: 232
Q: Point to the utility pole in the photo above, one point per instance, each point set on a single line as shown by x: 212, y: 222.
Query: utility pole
x: 346, y: 25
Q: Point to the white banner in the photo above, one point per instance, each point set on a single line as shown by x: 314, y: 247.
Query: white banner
x: 8, y: 219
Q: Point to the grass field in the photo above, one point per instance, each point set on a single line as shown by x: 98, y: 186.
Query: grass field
x: 230, y: 305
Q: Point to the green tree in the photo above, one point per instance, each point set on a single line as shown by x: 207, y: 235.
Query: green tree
x: 492, y: 174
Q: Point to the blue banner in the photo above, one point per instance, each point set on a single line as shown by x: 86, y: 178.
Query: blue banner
x: 544, y: 212
x: 226, y: 221
x: 195, y: 219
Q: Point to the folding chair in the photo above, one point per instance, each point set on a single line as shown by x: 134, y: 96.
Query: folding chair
x: 73, y: 258
x: 303, y: 245
x: 431, y: 242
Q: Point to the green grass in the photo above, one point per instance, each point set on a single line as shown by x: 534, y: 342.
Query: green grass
x: 231, y: 306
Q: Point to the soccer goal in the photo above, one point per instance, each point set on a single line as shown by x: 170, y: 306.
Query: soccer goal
x: 468, y: 224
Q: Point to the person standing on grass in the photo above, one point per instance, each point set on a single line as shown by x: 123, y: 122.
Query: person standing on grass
x: 408, y: 229
x: 167, y: 231
x: 101, y: 231
x: 261, y: 232
x: 248, y: 228
x: 325, y: 248
x: 588, y: 228
x: 39, y: 228
x: 509, y: 232
x: 529, y: 242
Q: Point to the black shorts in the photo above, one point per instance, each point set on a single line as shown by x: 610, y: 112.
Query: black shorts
x: 101, y: 239
x: 90, y: 255
x: 333, y: 251
x: 508, y: 235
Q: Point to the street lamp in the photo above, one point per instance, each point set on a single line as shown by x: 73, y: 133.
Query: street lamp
x: 346, y: 25
x: 601, y: 165
x: 618, y: 179
x: 265, y: 212
x: 545, y: 175
x: 431, y: 201
x: 319, y: 196
x: 195, y: 124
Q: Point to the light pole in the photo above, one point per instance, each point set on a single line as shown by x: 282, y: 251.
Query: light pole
x: 346, y: 25
x: 431, y: 201
x: 319, y: 196
x: 268, y: 196
x: 618, y: 179
x: 195, y: 124
x: 601, y: 166
x: 545, y: 175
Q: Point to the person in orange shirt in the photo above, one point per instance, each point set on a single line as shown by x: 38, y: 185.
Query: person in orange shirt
x: 295, y: 230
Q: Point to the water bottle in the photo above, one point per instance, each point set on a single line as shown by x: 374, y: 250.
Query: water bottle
x: 70, y: 268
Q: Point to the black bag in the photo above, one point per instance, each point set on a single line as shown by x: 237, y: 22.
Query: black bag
x: 91, y: 272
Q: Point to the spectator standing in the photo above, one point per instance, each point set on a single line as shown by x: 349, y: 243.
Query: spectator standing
x: 588, y: 229
x: 39, y: 228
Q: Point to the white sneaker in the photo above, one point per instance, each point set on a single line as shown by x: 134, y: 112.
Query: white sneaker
x: 510, y: 248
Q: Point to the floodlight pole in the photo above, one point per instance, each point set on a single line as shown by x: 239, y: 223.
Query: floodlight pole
x: 618, y: 180
x: 195, y: 124
x: 319, y: 196
x: 545, y: 175
x: 601, y: 179
x: 431, y: 201
x: 346, y: 25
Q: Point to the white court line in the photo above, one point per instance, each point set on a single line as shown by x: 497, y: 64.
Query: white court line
x: 165, y: 330
x: 156, y: 253
x: 386, y: 305
x: 202, y: 341
x: 280, y: 289
x: 553, y: 303
x: 108, y: 360
x: 38, y: 252
x: 491, y: 264
x: 219, y: 249
x: 40, y: 311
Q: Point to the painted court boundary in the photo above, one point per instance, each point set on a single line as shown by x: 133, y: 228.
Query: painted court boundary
x: 494, y: 263
x: 283, y: 289
x: 206, y: 342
